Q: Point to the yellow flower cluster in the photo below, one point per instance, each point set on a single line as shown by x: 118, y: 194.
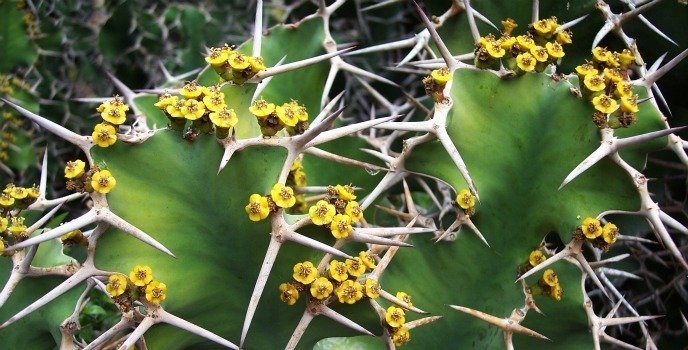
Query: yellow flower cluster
x: 297, y: 178
x: 11, y: 198
x: 395, y: 318
x: 605, y: 83
x: 340, y: 278
x: 599, y: 236
x: 18, y: 197
x: 113, y: 113
x: 273, y: 118
x: 95, y: 179
x: 141, y: 279
x: 535, y: 258
x: 339, y: 210
x: 232, y: 65
x: 205, y: 106
x: 259, y: 207
x: 541, y: 46
x: 549, y: 285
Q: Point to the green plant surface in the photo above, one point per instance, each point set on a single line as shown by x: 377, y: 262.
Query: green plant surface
x: 15, y: 45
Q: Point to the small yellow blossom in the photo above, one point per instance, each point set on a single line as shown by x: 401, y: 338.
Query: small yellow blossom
x: 174, y: 110
x: 554, y: 49
x: 214, y: 101
x: 367, y: 259
x: 591, y: 228
x: 19, y: 192
x: 550, y: 278
x: 623, y: 89
x: 613, y: 60
x: 257, y: 207
x: 594, y: 82
x: 113, y: 116
x: 305, y: 272
x: 613, y: 75
x: 238, y: 61
x: 401, y: 336
x: 564, y: 37
x: 17, y: 227
x: 629, y: 103
x: 354, y: 211
x: 536, y: 257
x: 193, y: 109
x: 355, y: 267
x: 508, y: 26
x: 3, y: 224
x: 525, y: 42
x: 322, y: 213
x: 494, y: 49
x: 103, y: 182
x: 165, y: 100
x: 191, y: 90
x: 543, y: 27
x: 321, y: 288
x: 141, y: 275
x: 6, y: 200
x: 117, y: 284
x: 217, y: 57
x: 33, y: 192
x: 372, y: 288
x: 600, y: 54
x: 506, y: 42
x: 156, y: 292
x: 338, y: 271
x: 261, y: 108
x: 300, y: 178
x: 610, y: 233
x: 104, y: 135
x: 526, y: 62
x: 349, y: 292
x: 288, y: 293
x: 75, y: 169
x: 257, y: 64
x: 346, y: 192
x: 224, y: 118
x: 395, y: 316
x: 586, y: 69
x: 605, y: 104
x: 287, y: 114
x: 556, y: 292
x: 440, y: 76
x: 626, y: 58
x: 465, y: 199
x: 283, y: 196
x: 539, y: 53
x: 341, y: 226
x: 405, y: 298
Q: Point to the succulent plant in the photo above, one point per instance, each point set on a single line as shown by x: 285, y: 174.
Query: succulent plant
x: 240, y: 210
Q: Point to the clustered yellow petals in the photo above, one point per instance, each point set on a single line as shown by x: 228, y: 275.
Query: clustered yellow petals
x: 232, y: 65
x: 141, y: 275
x: 117, y: 285
x: 283, y: 196
x: 75, y: 169
x: 536, y: 257
x: 401, y: 336
x: 548, y: 285
x: 465, y: 199
x: 395, y: 316
x: 103, y: 181
x: 156, y: 292
x: 341, y: 226
x: 403, y: 296
x: 321, y: 288
x: 435, y: 82
x: 305, y: 272
x: 322, y: 212
x: 349, y: 292
x: 273, y: 118
x: 338, y: 271
x: 598, y: 235
x: 113, y: 113
x: 139, y: 285
x: 372, y: 288
x: 104, y: 135
x: 257, y: 207
x: 288, y: 293
x: 339, y: 211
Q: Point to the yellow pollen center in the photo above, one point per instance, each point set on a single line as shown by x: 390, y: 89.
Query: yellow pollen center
x: 141, y: 274
x: 255, y: 208
x: 285, y: 194
x: 103, y: 181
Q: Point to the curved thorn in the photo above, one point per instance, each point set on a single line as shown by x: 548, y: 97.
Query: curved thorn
x: 606, y: 28
x: 166, y: 317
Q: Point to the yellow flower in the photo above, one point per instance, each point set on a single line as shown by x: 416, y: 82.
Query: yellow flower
x: 526, y: 62
x: 305, y: 272
x: 626, y: 57
x: 322, y: 213
x: 372, y: 288
x: 165, y: 100
x: 355, y: 267
x: 257, y: 207
x: 405, y: 298
x: 556, y: 292
x: 224, y: 118
x: 610, y: 233
x: 395, y: 316
x: 257, y: 64
x: 554, y: 49
x: 191, y: 90
x: 321, y: 288
x: 261, y: 108
x: 17, y: 227
x: 193, y: 109
x: 33, y: 192
x: 525, y: 42
x: 550, y: 278
x: 117, y: 284
x: 600, y: 54
x: 629, y: 104
x: 465, y: 199
x: 564, y: 37
x: 19, y: 192
x: 367, y: 259
x: 623, y: 89
x: 175, y: 109
x: 494, y: 49
x: 238, y: 61
x: 337, y: 271
x: 354, y: 211
x: 536, y: 257
x: 594, y: 82
x: 214, y: 101
x: 506, y: 42
x: 401, y: 336
x: 113, y: 115
x: 75, y: 169
x: 586, y: 69
x: 296, y: 165
x: 300, y: 178
x: 508, y: 26
x: 349, y: 292
x: 155, y: 292
x: 141, y: 275
x: 591, y: 228
x: 103, y: 182
x: 605, y: 104
x: 346, y: 192
x: 283, y: 196
x: 440, y: 76
x: 287, y: 114
x: 104, y: 135
x: 543, y: 27
x: 301, y: 112
x: 6, y: 200
x: 613, y: 75
x: 341, y: 226
x: 3, y: 224
x: 540, y: 53
x: 217, y: 57
x: 288, y: 293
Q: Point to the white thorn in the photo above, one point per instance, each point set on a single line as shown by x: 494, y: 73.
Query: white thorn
x: 310, y: 242
x: 166, y: 317
x: 335, y: 316
x: 606, y: 28
x: 295, y: 65
x: 134, y: 336
x: 258, y: 29
x: 84, y: 220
